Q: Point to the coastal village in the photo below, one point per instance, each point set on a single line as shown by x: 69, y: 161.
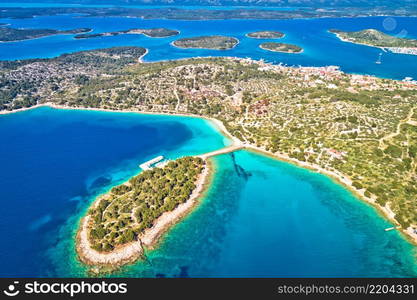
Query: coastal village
x: 359, y: 129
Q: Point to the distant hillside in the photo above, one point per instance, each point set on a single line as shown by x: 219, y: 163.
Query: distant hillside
x: 292, y: 3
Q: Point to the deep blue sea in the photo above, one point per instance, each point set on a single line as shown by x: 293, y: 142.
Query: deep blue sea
x: 321, y: 48
x: 260, y: 217
x: 53, y: 162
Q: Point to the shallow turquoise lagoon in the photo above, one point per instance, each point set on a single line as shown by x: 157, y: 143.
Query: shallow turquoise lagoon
x: 266, y: 218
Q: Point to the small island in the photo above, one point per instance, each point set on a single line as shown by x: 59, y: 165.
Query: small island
x: 135, y: 214
x: 375, y: 38
x: 265, y: 35
x: 281, y: 47
x: 8, y: 34
x: 153, y: 32
x: 212, y: 42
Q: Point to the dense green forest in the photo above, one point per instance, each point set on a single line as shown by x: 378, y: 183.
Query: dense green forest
x: 132, y: 207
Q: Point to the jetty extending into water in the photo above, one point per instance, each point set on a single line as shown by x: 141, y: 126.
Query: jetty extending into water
x: 158, y: 161
x: 148, y: 164
x: 229, y: 149
x: 392, y: 228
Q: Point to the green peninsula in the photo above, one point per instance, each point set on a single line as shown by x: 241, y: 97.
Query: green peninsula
x: 281, y: 47
x: 132, y: 216
x: 375, y: 38
x: 8, y: 34
x: 153, y: 32
x: 215, y: 42
x: 128, y: 209
x: 266, y: 35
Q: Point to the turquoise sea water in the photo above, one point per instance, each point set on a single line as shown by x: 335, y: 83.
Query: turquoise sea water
x: 260, y: 217
x: 53, y: 163
x: 265, y: 218
x: 321, y: 48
